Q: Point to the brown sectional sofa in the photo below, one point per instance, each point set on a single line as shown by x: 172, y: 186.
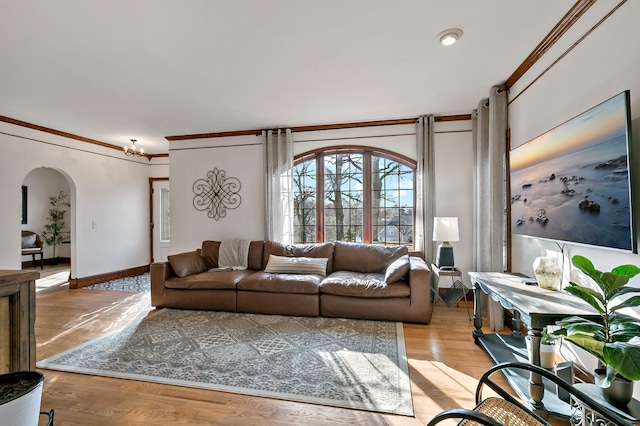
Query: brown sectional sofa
x: 362, y: 281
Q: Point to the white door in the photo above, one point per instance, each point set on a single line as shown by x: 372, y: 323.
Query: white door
x: 161, y: 222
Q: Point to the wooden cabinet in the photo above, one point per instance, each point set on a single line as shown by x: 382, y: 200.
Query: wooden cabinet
x: 17, y: 320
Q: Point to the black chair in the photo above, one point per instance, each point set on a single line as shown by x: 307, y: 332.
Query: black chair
x: 505, y: 409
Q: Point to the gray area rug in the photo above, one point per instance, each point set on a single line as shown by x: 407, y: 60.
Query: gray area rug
x: 135, y: 284
x: 329, y: 361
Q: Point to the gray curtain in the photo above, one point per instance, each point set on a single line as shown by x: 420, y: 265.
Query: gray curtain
x: 425, y: 186
x: 489, y: 127
x: 278, y: 151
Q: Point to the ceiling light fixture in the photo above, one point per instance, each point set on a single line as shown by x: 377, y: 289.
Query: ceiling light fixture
x: 133, y: 151
x: 450, y: 36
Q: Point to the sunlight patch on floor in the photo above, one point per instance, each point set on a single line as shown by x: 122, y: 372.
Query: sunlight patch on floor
x: 90, y: 319
x: 53, y: 280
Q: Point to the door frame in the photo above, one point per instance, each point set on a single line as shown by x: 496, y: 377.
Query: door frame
x: 151, y: 224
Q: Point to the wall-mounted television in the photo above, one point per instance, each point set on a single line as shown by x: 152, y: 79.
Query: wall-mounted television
x: 574, y: 183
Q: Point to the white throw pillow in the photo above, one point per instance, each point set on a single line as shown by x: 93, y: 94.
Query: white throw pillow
x: 297, y: 265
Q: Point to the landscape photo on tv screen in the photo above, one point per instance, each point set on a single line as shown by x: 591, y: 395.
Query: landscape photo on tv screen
x: 572, y: 183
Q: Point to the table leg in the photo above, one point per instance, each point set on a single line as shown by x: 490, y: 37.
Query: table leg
x: 536, y: 388
x: 477, y: 314
x: 516, y: 322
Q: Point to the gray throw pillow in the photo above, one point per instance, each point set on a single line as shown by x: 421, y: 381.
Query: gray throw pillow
x: 29, y: 241
x: 397, y: 270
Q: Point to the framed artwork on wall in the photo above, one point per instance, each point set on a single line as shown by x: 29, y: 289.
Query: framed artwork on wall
x: 23, y: 198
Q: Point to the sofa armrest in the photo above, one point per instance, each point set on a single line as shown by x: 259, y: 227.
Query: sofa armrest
x: 159, y: 273
x: 420, y: 285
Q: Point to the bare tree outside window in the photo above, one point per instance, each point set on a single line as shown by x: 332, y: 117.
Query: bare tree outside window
x: 337, y: 181
x: 304, y: 203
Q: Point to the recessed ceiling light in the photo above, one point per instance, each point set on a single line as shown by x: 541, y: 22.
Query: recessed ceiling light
x: 450, y: 36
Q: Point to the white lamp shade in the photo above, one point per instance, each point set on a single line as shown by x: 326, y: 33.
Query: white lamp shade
x: 445, y: 229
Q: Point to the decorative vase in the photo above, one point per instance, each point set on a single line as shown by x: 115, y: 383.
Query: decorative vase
x: 548, y: 272
x: 619, y: 393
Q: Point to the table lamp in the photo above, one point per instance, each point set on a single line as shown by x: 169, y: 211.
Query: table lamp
x: 445, y: 229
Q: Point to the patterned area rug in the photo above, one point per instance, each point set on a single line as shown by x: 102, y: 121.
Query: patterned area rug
x: 135, y: 284
x: 328, y: 361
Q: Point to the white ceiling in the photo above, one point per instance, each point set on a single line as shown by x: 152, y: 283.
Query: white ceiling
x: 146, y: 69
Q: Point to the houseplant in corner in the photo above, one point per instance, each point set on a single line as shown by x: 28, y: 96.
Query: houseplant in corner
x: 53, y: 231
x: 615, y: 340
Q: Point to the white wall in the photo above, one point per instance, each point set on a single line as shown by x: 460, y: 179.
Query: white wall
x: 238, y: 157
x: 454, y: 188
x: 106, y: 188
x: 604, y: 64
x: 242, y: 157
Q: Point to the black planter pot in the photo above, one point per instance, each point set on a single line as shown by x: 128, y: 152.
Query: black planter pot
x: 619, y: 393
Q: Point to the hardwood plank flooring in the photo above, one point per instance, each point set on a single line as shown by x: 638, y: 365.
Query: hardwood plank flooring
x: 444, y: 365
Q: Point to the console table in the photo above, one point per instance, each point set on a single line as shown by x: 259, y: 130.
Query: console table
x: 17, y: 320
x: 536, y: 308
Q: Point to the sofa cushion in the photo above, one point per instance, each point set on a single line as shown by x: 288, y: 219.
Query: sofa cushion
x: 215, y: 280
x: 309, y: 250
x: 366, y: 258
x: 281, y: 283
x: 358, y: 284
x: 29, y: 241
x: 211, y: 250
x: 296, y: 265
x: 397, y: 270
x: 187, y: 263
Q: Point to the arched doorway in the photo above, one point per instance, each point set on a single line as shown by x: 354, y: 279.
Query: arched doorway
x: 38, y: 185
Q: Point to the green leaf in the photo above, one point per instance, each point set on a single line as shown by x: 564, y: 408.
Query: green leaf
x: 629, y: 271
x: 589, y: 344
x: 611, y: 282
x: 583, y: 264
x: 631, y: 302
x: 592, y: 297
x: 625, y: 290
x: 573, y: 325
x: 624, y: 358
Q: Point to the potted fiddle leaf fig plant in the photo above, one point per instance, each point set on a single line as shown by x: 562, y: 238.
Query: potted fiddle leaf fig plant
x: 615, y: 339
x: 54, y: 233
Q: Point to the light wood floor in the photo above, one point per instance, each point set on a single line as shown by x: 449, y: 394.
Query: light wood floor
x: 444, y: 365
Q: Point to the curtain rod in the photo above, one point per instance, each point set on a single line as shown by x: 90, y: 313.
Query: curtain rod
x: 258, y: 132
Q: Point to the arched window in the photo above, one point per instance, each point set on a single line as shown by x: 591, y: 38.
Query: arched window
x: 354, y: 194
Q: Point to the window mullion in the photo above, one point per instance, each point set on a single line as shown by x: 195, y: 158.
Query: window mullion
x: 366, y: 198
x: 320, y: 198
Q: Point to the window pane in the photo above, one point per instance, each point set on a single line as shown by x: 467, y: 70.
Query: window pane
x: 391, y: 202
x: 304, y: 203
x: 165, y: 223
x: 343, y: 197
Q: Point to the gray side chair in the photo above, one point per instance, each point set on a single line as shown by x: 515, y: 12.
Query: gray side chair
x: 32, y: 244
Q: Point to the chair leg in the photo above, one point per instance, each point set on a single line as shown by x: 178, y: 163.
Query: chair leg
x: 41, y: 260
x: 33, y: 260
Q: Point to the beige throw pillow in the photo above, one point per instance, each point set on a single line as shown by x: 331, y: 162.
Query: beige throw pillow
x: 297, y: 265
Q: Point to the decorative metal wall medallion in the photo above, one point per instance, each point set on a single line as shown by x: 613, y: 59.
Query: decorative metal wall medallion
x: 216, y: 194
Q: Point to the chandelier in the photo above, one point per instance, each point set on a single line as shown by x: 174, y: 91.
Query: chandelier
x: 133, y: 151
